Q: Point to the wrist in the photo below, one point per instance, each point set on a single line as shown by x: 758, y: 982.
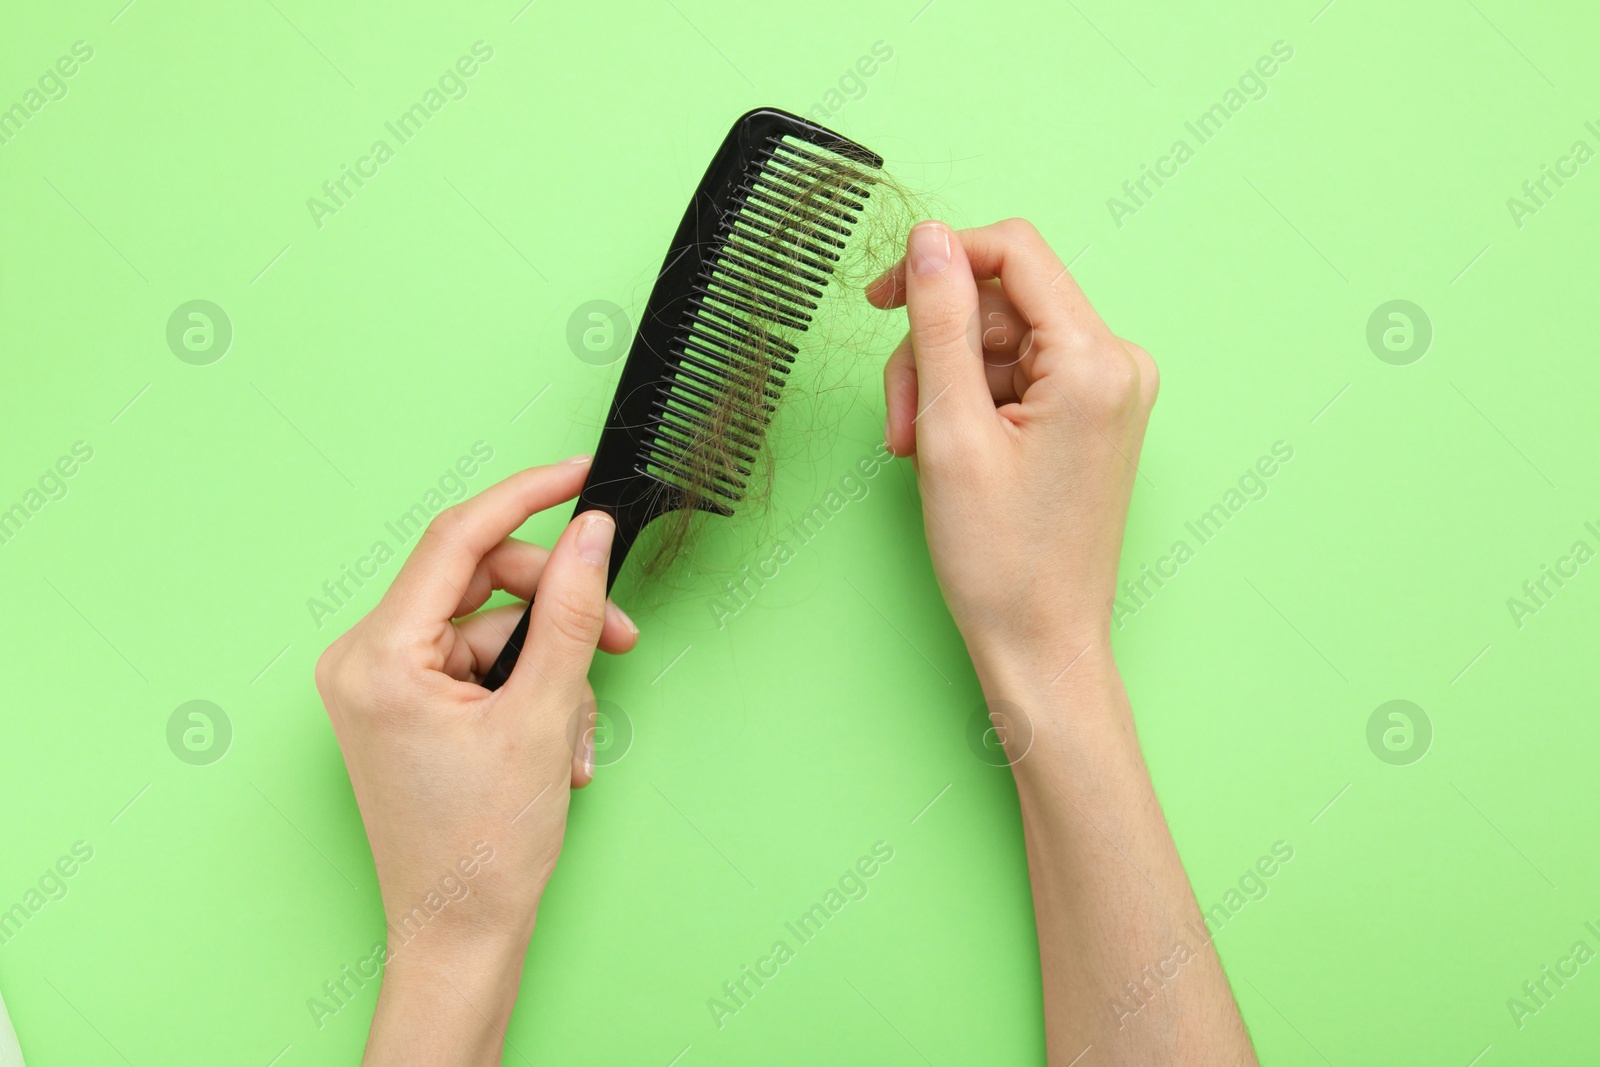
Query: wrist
x: 451, y: 953
x: 1059, y: 710
x: 1028, y: 641
x: 1067, y: 669
x: 447, y: 1000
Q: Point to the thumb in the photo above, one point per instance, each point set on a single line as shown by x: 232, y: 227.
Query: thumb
x: 942, y: 306
x: 569, y: 611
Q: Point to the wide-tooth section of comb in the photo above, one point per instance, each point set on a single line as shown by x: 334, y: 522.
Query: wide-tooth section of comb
x: 762, y: 279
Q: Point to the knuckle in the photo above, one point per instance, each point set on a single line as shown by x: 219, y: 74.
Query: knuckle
x: 1149, y: 373
x: 942, y: 325
x: 1080, y: 338
x: 365, y: 677
x: 339, y: 676
x: 327, y: 669
x: 577, y: 618
x: 1017, y: 227
x: 949, y: 445
x: 442, y: 529
x: 1106, y: 383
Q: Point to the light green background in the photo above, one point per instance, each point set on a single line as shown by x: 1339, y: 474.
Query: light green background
x: 426, y: 315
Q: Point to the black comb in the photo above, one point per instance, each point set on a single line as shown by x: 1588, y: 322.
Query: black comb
x: 736, y: 271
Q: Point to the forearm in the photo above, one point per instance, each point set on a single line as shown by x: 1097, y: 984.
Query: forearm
x: 447, y: 1006
x: 1126, y: 961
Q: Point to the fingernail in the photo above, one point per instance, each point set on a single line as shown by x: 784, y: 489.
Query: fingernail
x: 594, y: 537
x: 930, y: 248
x: 581, y: 457
x: 588, y: 756
x: 886, y: 442
x: 621, y: 616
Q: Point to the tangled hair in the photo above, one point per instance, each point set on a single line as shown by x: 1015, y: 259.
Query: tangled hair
x: 723, y: 449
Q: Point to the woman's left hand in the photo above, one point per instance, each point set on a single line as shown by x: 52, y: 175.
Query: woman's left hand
x: 464, y: 791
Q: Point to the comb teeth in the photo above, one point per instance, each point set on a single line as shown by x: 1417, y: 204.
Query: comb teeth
x: 772, y: 254
x: 748, y: 262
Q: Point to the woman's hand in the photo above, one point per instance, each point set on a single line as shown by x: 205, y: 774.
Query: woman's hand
x: 1025, y: 413
x: 464, y: 792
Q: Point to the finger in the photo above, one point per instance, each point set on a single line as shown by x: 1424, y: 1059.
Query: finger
x: 434, y: 578
x: 485, y: 633
x: 585, y: 721
x: 583, y: 759
x: 942, y: 307
x: 888, y: 290
x: 1149, y: 373
x: 900, y: 400
x: 568, y: 611
x: 1007, y: 339
x: 1033, y: 277
x: 514, y: 566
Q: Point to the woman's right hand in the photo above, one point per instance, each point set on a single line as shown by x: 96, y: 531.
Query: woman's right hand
x: 1025, y: 414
